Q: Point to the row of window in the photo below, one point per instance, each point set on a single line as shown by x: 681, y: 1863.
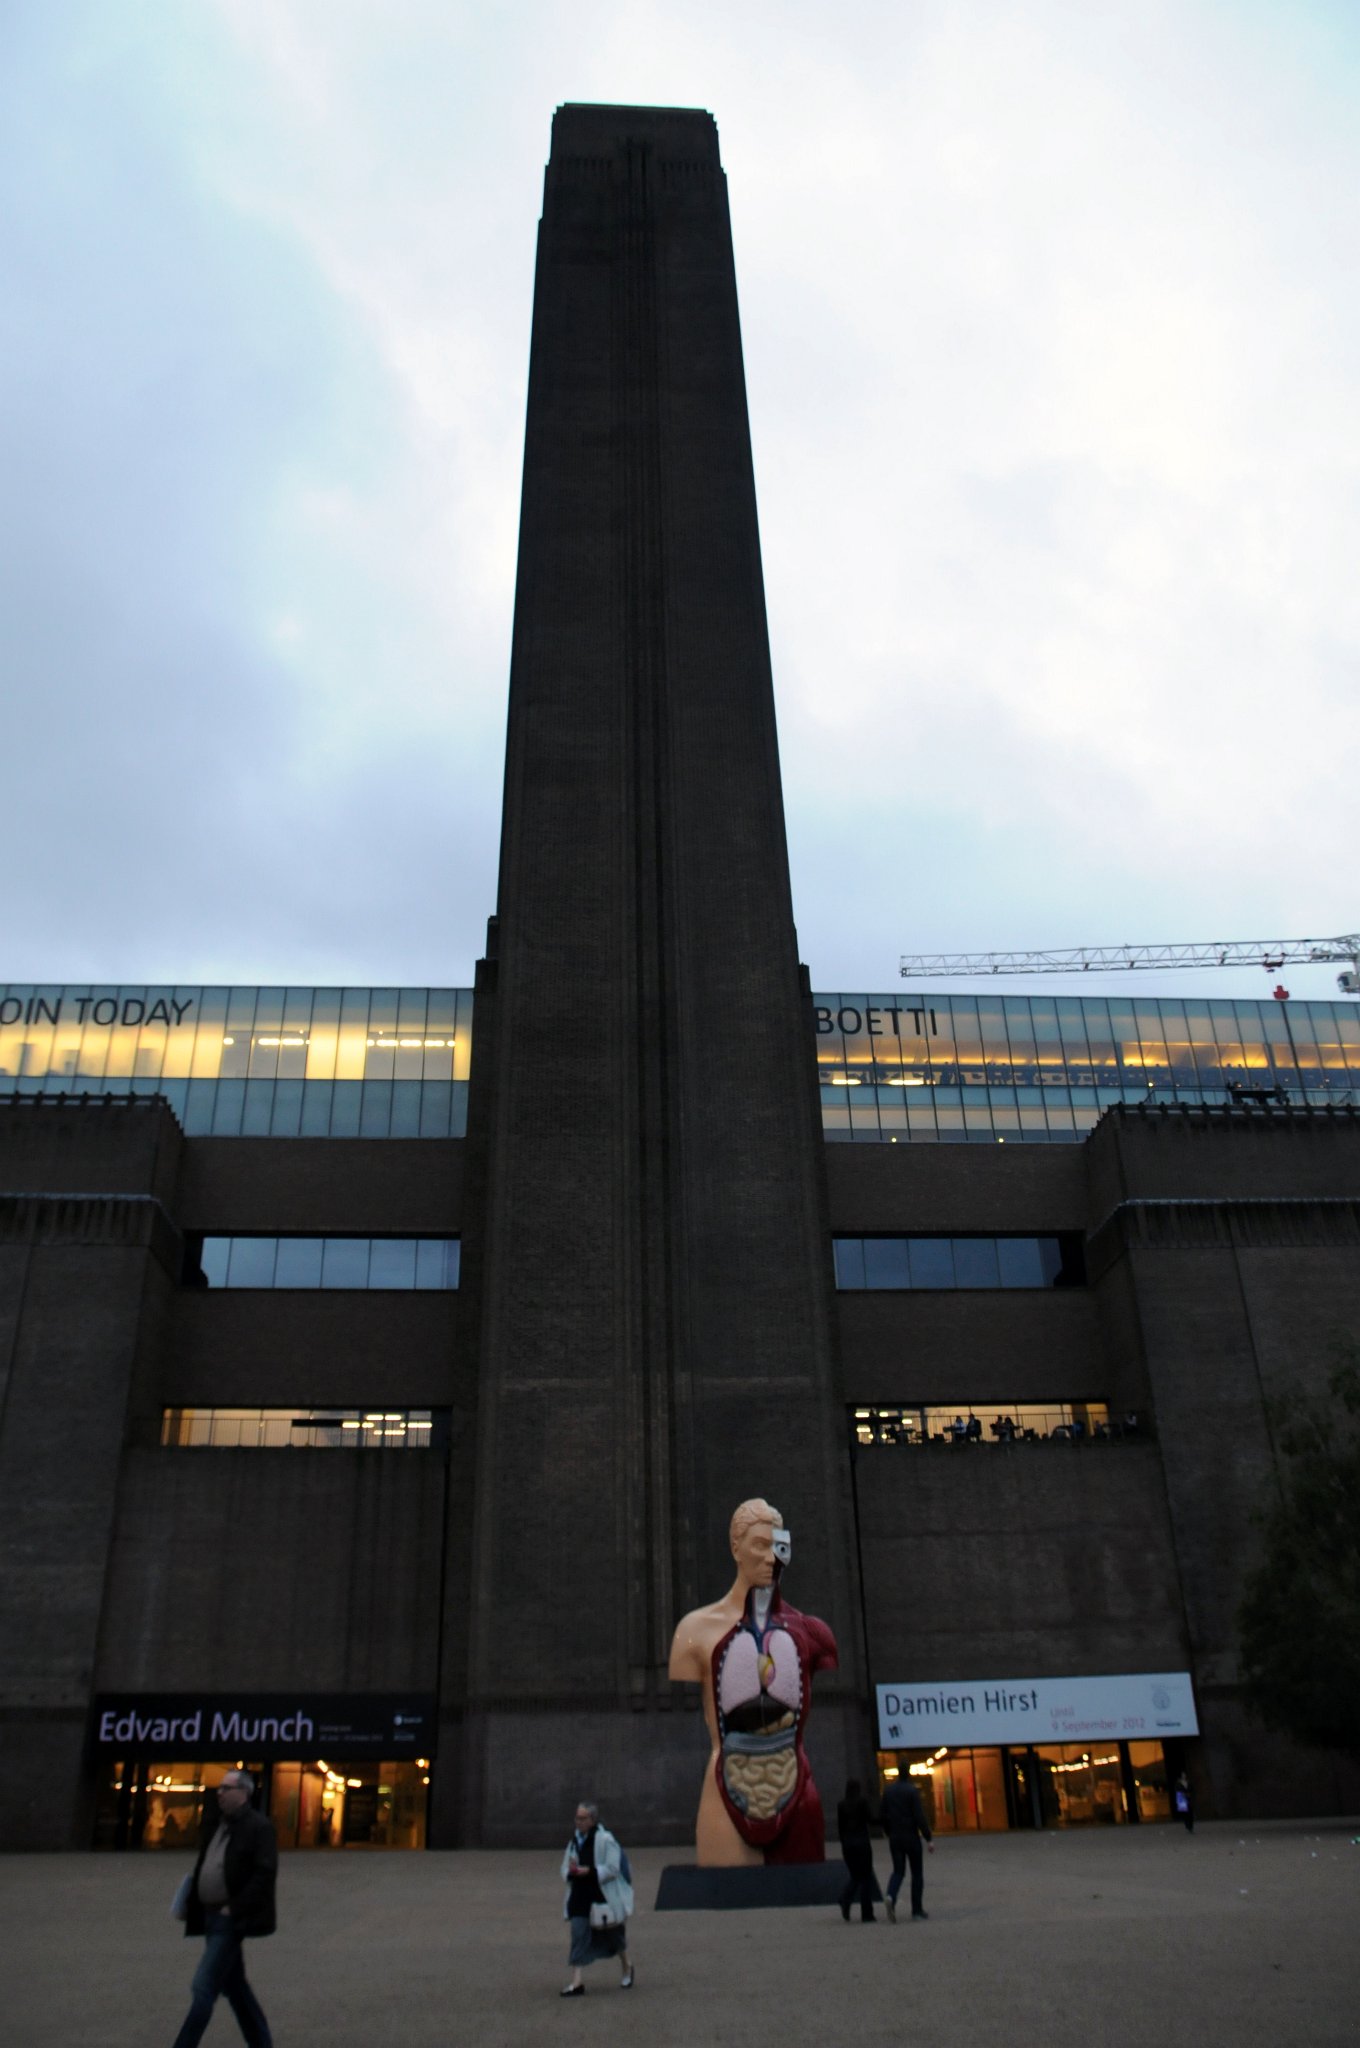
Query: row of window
x: 954, y: 1262
x: 309, y: 1429
x: 288, y: 1109
x: 1084, y: 1041
x: 433, y: 1263
x: 1033, y: 1069
x: 399, y: 1263
x: 342, y: 1063
x: 1015, y: 1422
x: 83, y: 1034
x: 252, y: 1062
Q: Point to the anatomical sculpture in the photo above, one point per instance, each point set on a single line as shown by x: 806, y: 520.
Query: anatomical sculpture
x: 755, y: 1657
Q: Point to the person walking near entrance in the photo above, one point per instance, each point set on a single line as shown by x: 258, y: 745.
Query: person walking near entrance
x: 598, y: 1901
x: 1184, y: 1803
x: 231, y: 1896
x: 852, y: 1825
x: 906, y: 1826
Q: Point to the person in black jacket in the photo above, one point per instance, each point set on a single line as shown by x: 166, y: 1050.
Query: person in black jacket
x: 905, y: 1824
x: 231, y: 1896
x: 852, y: 1825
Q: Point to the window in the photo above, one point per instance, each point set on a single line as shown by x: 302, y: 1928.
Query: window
x: 401, y: 1264
x: 990, y: 1422
x: 308, y: 1429
x: 942, y: 1069
x: 886, y: 1263
x: 253, y: 1062
x: 958, y: 1262
x: 298, y: 1263
x: 345, y: 1262
x: 252, y: 1261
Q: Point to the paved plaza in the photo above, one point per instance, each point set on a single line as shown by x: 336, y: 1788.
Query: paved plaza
x: 1239, y: 1936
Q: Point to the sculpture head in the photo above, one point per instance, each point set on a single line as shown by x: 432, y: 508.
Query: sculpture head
x: 760, y: 1543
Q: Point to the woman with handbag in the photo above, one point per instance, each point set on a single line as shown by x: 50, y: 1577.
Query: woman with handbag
x: 598, y: 1900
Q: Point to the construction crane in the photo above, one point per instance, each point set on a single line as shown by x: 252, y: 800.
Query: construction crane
x: 1271, y: 954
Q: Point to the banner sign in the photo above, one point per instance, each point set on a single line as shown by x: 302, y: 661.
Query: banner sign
x: 266, y: 1725
x: 1140, y: 1706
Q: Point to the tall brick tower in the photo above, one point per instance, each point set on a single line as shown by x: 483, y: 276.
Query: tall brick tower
x: 648, y: 1272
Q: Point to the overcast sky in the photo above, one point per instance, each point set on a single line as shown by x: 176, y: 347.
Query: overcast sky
x: 1052, y: 329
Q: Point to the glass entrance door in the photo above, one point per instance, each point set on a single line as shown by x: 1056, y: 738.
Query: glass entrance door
x: 1057, y: 1785
x: 1081, y: 1787
x: 313, y: 1805
x: 350, y: 1806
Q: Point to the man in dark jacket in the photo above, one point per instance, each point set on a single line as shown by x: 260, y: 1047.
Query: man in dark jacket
x: 231, y: 1896
x: 905, y: 1824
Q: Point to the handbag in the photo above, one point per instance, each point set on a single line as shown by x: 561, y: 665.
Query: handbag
x: 179, y: 1905
x: 602, y: 1914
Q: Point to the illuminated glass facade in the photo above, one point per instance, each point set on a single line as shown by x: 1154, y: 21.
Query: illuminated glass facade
x: 313, y: 1429
x: 394, y: 1063
x: 252, y: 1062
x: 941, y: 1068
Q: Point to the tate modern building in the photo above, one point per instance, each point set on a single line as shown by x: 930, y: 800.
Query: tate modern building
x: 379, y: 1368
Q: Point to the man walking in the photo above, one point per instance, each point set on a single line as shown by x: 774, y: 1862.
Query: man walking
x: 231, y: 1896
x: 905, y: 1824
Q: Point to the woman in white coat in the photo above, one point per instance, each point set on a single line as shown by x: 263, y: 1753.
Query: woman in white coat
x: 598, y: 1901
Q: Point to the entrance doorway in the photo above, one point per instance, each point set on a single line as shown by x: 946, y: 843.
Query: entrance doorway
x: 350, y: 1806
x: 314, y: 1804
x: 1053, y: 1785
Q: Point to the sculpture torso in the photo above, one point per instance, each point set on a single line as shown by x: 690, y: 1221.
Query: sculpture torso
x: 754, y: 1658
x: 762, y: 1682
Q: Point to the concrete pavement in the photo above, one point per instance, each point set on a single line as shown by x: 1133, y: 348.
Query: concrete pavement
x: 1127, y: 1938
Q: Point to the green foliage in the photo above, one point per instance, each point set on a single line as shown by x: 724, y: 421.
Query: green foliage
x: 1300, y: 1615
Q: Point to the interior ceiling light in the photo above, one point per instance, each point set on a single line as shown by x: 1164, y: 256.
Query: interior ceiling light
x: 399, y: 1044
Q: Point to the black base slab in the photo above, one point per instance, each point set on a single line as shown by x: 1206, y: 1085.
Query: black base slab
x: 686, y: 1889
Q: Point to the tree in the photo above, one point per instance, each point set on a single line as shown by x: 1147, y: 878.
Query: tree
x: 1300, y: 1613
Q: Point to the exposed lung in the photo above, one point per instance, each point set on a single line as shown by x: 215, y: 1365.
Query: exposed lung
x: 759, y: 1686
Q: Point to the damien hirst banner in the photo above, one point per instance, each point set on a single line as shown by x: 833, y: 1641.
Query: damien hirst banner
x: 1140, y: 1706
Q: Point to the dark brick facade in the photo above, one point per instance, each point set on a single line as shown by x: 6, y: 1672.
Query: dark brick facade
x: 1223, y: 1259
x: 646, y: 1330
